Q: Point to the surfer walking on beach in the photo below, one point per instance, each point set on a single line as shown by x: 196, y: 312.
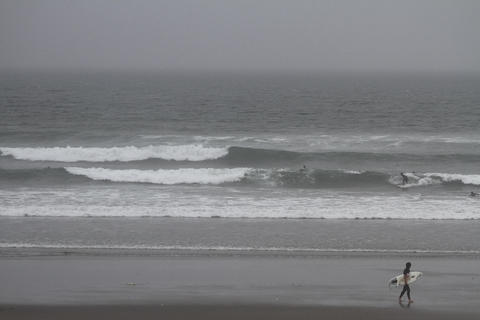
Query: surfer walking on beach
x: 406, y: 287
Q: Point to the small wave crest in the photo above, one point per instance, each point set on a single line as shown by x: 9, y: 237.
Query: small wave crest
x: 193, y: 152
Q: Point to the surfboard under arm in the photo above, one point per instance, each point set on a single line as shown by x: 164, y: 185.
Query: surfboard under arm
x: 400, y: 281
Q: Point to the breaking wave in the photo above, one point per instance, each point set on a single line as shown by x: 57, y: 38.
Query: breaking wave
x: 193, y: 152
x: 472, y: 179
x: 232, y: 156
x: 168, y: 177
x: 242, y: 176
x: 428, y: 179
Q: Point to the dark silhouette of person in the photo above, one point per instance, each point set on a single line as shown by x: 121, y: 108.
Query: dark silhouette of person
x: 404, y: 178
x: 406, y: 287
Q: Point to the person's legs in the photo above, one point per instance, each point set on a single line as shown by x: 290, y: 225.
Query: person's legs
x: 408, y: 293
x: 403, y: 291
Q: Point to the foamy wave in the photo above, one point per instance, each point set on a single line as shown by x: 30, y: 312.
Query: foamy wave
x: 195, y: 203
x: 414, y: 181
x: 193, y: 152
x: 428, y: 179
x: 473, y: 179
x: 173, y: 176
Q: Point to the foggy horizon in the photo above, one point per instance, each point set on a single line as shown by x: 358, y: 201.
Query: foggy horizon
x: 244, y: 36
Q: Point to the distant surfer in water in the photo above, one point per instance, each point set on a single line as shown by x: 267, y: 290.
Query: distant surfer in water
x: 404, y: 178
x: 303, y: 169
x: 406, y: 287
x: 474, y: 194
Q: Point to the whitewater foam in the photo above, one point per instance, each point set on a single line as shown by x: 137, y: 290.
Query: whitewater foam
x: 191, y: 152
x: 428, y: 179
x: 473, y: 179
x: 160, y: 176
x: 183, y: 202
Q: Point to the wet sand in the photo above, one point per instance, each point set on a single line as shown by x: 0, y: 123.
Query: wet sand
x: 213, y: 312
x: 259, y: 283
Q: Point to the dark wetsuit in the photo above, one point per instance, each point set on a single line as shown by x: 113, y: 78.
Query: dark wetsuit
x: 406, y: 287
x: 404, y: 178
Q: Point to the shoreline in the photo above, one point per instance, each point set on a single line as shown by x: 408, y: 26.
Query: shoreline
x: 157, y: 236
x: 92, y: 252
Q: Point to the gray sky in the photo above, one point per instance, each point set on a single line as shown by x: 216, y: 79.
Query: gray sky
x: 380, y: 35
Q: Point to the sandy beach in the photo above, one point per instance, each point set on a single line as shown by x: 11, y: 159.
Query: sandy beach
x: 83, y: 284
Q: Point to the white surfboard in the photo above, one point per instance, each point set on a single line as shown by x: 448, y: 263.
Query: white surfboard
x: 400, y: 281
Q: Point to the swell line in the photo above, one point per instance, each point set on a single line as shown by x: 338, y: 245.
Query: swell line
x: 274, y: 177
x: 233, y: 249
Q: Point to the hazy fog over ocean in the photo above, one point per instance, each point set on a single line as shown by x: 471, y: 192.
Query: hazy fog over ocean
x: 375, y: 35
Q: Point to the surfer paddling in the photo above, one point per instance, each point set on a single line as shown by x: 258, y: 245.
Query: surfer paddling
x: 406, y: 287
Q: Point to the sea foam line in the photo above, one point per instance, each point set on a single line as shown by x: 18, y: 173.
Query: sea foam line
x: 191, y: 152
x: 8, y: 245
x: 163, y: 176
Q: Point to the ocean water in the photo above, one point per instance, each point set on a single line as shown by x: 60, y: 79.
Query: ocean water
x: 263, y: 147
